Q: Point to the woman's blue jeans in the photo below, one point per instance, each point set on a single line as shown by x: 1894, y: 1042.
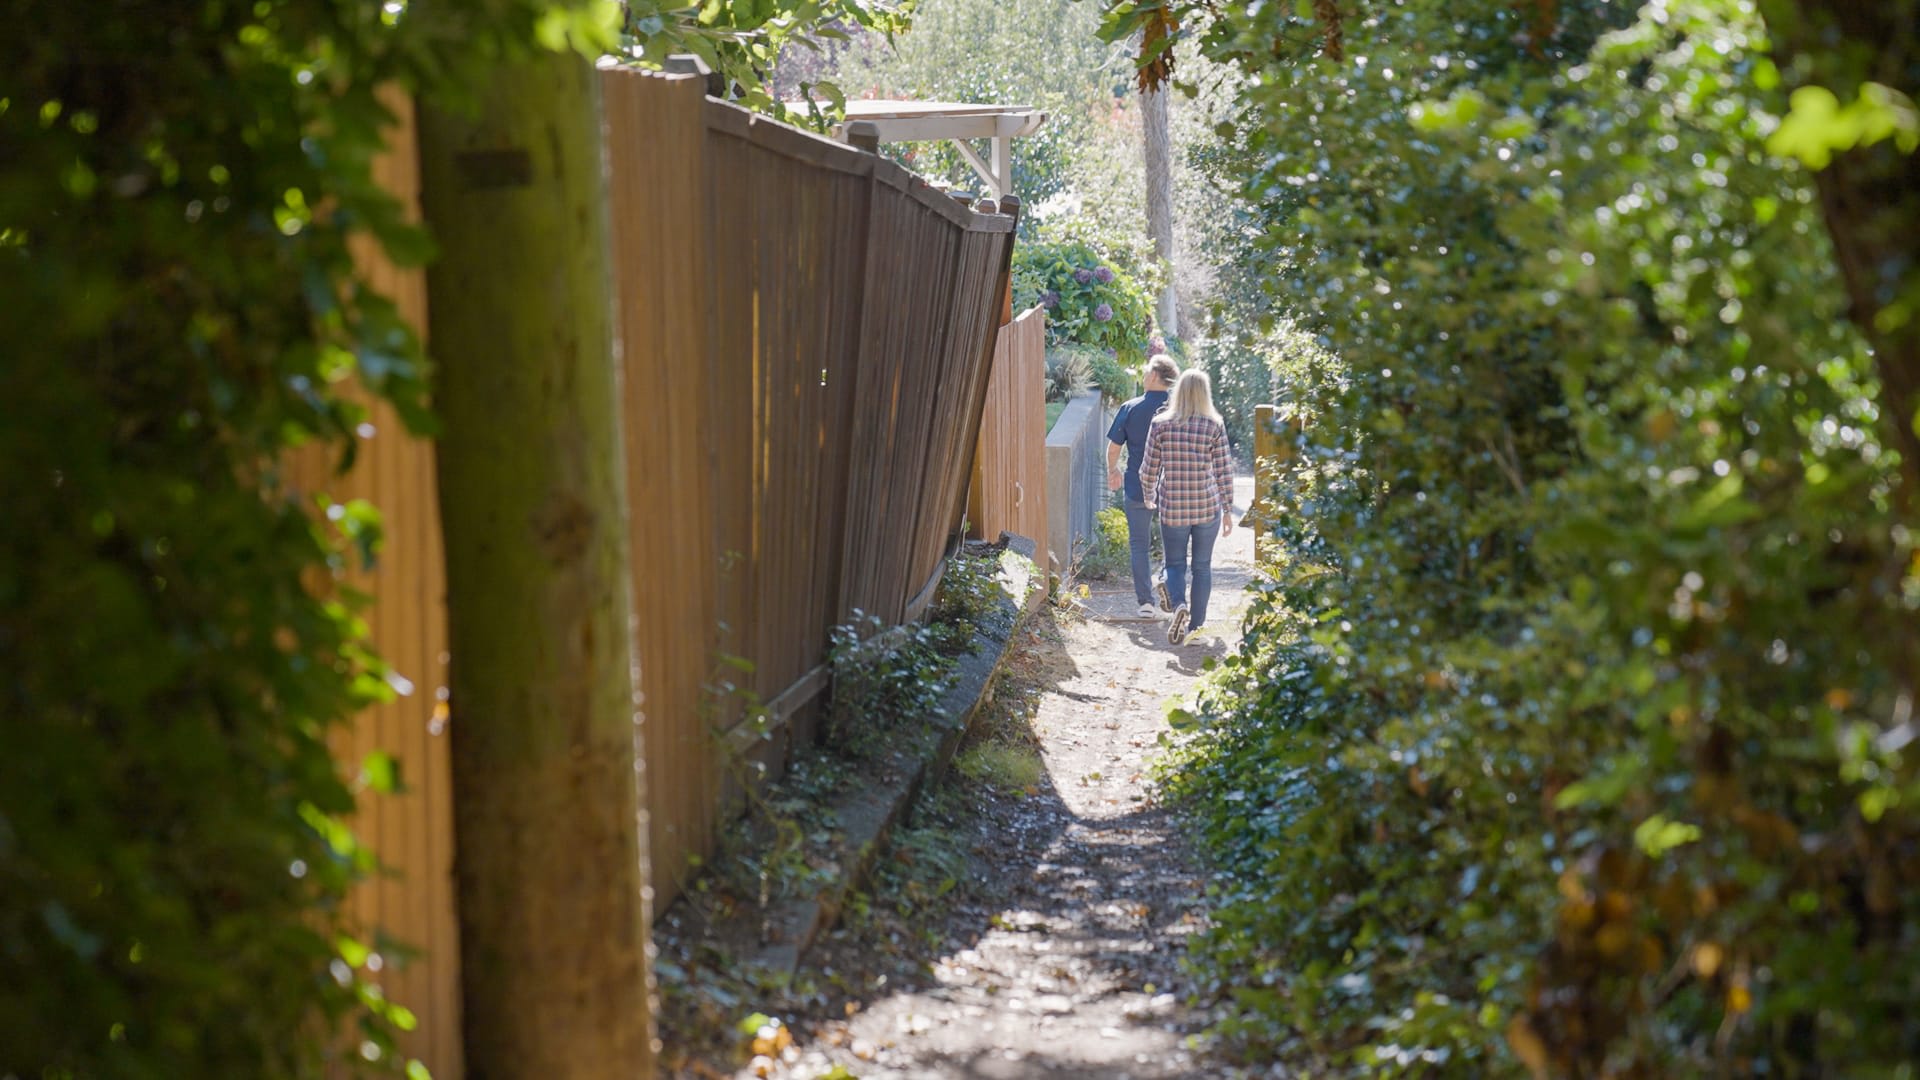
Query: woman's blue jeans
x: 1177, y: 537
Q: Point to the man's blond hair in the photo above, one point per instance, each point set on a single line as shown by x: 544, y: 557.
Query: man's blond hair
x: 1165, y: 368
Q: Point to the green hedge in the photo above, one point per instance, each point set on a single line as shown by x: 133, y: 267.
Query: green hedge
x: 181, y: 316
x: 1571, y: 733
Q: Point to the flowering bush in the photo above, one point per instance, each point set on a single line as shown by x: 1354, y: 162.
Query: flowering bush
x: 1091, y: 299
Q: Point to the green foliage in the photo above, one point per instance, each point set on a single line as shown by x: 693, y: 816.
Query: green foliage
x: 1255, y: 371
x: 741, y: 40
x: 882, y: 678
x: 182, y: 314
x: 1069, y: 371
x: 1108, y: 555
x: 1006, y: 766
x: 1571, y: 730
x: 1091, y: 299
x: 970, y: 599
x: 1073, y: 368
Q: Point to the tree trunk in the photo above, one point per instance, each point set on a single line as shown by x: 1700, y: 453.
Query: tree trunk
x: 548, y: 855
x: 1159, y: 168
x: 1870, y: 197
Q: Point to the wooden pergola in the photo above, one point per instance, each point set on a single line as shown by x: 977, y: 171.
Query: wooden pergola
x: 870, y: 123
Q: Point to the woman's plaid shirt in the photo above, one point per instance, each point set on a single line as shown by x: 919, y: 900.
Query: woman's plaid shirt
x: 1186, y: 474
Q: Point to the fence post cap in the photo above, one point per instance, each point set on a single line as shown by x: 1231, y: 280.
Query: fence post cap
x: 863, y: 135
x: 690, y: 64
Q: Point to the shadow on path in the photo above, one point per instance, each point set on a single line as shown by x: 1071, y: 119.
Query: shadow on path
x: 1054, y: 951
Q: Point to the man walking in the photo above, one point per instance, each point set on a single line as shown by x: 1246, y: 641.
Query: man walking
x: 1129, y: 430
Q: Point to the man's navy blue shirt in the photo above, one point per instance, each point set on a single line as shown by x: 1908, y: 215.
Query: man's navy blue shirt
x: 1130, y: 426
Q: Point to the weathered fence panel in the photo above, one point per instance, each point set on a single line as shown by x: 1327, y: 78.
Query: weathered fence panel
x: 807, y: 339
x: 1009, y: 491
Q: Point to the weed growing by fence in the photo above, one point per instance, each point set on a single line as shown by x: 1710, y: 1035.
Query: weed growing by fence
x: 1107, y: 552
x: 972, y: 597
x: 882, y: 678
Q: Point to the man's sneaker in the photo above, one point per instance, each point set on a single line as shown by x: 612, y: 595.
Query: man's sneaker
x: 1148, y: 611
x: 1177, y: 629
x: 1160, y: 590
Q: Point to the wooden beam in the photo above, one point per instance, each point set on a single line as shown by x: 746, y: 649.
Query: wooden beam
x: 972, y: 126
x: 979, y: 166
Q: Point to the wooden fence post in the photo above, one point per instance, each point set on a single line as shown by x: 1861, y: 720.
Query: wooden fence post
x: 1273, y: 450
x: 863, y: 135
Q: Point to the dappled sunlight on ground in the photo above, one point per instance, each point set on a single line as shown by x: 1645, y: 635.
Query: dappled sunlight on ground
x: 1056, y: 953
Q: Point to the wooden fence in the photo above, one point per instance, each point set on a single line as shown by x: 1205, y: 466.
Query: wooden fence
x: 1009, y: 491
x: 807, y: 335
x: 1275, y: 437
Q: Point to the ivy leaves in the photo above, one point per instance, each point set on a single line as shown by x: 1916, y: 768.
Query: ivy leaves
x: 742, y: 39
x: 1576, y: 692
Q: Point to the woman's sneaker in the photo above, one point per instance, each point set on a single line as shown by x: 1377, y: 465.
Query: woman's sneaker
x: 1148, y: 611
x: 1160, y: 592
x: 1177, y: 629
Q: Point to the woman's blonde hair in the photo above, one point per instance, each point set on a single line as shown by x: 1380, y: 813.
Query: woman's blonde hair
x: 1192, y: 396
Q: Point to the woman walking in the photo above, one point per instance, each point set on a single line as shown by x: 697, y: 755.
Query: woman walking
x: 1186, y: 476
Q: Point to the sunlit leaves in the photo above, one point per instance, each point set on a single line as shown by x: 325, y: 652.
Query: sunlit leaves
x: 1543, y: 695
x: 742, y: 40
x: 1817, y: 125
x: 186, y: 315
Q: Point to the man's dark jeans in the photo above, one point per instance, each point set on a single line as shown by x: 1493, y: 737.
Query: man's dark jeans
x: 1140, y: 545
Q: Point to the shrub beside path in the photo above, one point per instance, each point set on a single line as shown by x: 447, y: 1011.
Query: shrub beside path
x: 1056, y: 953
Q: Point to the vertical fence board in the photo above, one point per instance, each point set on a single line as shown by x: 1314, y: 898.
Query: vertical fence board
x: 657, y: 137
x: 1009, y: 491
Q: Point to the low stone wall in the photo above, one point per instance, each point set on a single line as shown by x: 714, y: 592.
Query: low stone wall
x: 1076, y: 480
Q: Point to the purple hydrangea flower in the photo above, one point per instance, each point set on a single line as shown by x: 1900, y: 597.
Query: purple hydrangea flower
x: 1103, y: 275
x: 1083, y: 275
x: 1049, y: 299
x: 1103, y: 312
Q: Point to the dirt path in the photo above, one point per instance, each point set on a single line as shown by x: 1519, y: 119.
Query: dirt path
x: 1057, y: 953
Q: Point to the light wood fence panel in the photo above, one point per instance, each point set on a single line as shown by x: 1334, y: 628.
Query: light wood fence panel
x: 1009, y: 484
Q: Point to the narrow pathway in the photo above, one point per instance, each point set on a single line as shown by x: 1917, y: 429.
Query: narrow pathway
x: 1059, y: 954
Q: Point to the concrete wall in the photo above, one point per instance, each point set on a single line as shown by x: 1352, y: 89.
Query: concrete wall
x: 1076, y: 480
